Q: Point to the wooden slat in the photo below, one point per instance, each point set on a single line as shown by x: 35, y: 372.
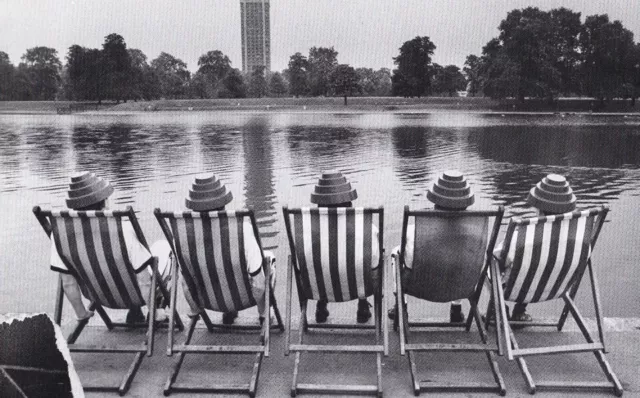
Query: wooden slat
x: 340, y: 326
x: 202, y: 387
x: 345, y: 389
x: 426, y: 386
x: 206, y: 349
x: 574, y: 348
x: 451, y: 347
x: 106, y: 348
x: 336, y: 348
x: 574, y: 385
x: 419, y: 324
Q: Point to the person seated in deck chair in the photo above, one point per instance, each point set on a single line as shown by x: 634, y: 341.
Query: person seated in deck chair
x: 552, y: 195
x: 210, y: 194
x: 450, y: 192
x: 88, y: 192
x: 333, y: 190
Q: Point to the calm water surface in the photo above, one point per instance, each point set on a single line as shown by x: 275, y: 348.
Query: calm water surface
x: 270, y: 160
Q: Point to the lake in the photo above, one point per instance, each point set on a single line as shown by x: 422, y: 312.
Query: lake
x: 273, y: 159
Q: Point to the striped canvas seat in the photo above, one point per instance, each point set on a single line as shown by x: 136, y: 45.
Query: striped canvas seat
x: 548, y: 253
x: 334, y: 252
x: 92, y: 245
x: 210, y: 249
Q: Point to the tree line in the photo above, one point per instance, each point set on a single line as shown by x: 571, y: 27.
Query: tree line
x: 537, y: 54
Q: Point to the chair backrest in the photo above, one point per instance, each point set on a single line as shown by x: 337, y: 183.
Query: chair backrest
x: 92, y: 246
x: 548, y: 253
x: 333, y: 251
x: 449, y: 251
x: 210, y: 249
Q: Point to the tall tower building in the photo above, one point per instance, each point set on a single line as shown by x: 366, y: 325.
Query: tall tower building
x: 256, y: 35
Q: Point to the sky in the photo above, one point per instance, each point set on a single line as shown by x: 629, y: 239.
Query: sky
x: 366, y: 33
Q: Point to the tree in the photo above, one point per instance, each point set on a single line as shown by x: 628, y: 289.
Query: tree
x: 413, y: 76
x: 233, y: 85
x: 344, y: 81
x: 566, y: 28
x: 608, y: 52
x: 448, y: 80
x: 43, y: 67
x: 322, y: 62
x: 472, y: 71
x: 116, y: 63
x: 298, y: 75
x: 277, y: 85
x: 258, y: 87
x: 139, y: 65
x: 84, y: 74
x: 7, y: 76
x: 214, y: 67
x: 172, y: 74
x: 382, y: 77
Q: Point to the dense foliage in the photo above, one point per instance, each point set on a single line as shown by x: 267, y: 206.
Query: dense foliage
x: 536, y: 54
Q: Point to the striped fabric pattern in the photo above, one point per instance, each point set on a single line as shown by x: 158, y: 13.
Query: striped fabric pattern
x: 92, y: 245
x: 333, y: 250
x: 548, y: 253
x: 210, y: 250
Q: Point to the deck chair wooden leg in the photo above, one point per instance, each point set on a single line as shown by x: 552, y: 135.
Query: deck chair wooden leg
x: 604, y: 364
x: 491, y: 356
x: 596, y: 304
x: 296, y: 364
x: 522, y: 364
x: 151, y: 304
x: 178, y: 363
x: 276, y: 311
x: 131, y: 373
x: 77, y: 330
x: 253, y: 384
x: 103, y: 314
x: 287, y: 336
x: 207, y: 321
x: 57, y: 314
x: 167, y: 296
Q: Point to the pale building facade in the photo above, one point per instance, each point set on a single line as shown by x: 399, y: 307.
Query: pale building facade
x: 256, y: 35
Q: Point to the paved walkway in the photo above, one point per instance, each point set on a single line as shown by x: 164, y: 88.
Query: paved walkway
x: 275, y: 380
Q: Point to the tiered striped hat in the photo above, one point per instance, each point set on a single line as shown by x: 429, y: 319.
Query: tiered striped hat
x: 85, y: 189
x: 451, y: 190
x: 333, y: 189
x: 207, y: 193
x: 552, y: 195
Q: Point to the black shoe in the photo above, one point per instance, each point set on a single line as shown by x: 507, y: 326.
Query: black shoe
x: 364, y: 313
x: 229, y: 317
x: 135, y: 316
x: 455, y: 314
x: 393, y: 312
x: 520, y: 315
x: 492, y: 316
x: 322, y: 313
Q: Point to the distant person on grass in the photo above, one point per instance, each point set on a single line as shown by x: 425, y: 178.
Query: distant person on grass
x: 88, y: 192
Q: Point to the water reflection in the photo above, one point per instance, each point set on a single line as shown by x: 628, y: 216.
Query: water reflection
x: 258, y: 177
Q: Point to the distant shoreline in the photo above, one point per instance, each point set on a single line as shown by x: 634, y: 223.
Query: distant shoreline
x: 425, y: 105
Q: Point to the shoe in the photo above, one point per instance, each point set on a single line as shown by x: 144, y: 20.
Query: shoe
x: 322, y: 313
x: 229, y: 317
x: 135, y: 316
x: 393, y: 312
x: 492, y: 316
x: 364, y: 313
x: 520, y: 315
x: 87, y: 316
x: 261, y: 320
x: 455, y: 314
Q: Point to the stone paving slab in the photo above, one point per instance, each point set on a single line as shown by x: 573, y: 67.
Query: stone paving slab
x: 623, y: 343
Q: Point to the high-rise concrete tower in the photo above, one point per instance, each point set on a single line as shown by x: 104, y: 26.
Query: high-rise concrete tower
x: 256, y: 35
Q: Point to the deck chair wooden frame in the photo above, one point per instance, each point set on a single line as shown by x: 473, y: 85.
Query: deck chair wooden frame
x: 75, y: 222
x: 524, y: 285
x: 294, y: 220
x: 433, y: 283
x: 218, y: 260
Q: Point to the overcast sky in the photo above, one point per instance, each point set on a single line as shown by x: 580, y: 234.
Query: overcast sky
x: 364, y: 32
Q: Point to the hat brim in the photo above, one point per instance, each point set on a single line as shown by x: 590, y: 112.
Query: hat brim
x: 334, y: 198
x: 91, y: 198
x: 450, y: 202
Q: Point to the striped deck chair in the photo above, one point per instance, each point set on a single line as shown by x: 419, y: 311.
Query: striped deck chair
x: 210, y: 252
x: 331, y: 257
x: 451, y: 254
x: 550, y: 256
x: 91, y: 245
